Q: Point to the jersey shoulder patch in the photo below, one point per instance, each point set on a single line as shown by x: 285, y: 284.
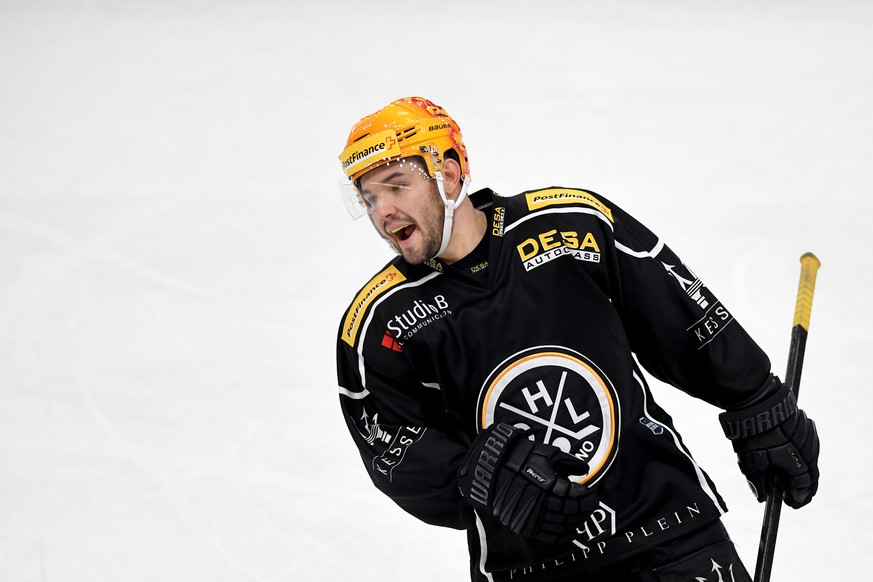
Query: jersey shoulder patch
x: 382, y: 282
x: 556, y: 196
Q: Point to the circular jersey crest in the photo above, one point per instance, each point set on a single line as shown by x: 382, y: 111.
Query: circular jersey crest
x: 562, y: 396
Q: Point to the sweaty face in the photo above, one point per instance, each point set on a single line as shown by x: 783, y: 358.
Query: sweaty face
x: 405, y: 208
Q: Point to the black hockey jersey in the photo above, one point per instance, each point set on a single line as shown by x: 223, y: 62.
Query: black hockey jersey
x: 544, y: 331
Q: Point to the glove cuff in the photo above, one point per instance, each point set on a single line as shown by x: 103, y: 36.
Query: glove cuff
x: 761, y: 417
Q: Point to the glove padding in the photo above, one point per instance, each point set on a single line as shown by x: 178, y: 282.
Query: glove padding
x: 774, y: 438
x: 524, y: 484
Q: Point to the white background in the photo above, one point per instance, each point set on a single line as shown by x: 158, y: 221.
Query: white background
x: 174, y: 258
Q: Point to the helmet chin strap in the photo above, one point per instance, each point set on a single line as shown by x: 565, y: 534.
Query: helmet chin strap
x: 450, y: 206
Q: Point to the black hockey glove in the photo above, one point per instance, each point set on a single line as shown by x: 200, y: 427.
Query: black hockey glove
x: 524, y: 484
x: 774, y: 437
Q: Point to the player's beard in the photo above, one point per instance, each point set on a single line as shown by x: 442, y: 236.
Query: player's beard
x: 430, y: 230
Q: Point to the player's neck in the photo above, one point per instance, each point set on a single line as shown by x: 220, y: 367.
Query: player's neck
x: 467, y: 231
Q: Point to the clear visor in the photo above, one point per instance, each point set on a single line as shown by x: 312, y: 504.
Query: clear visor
x: 352, y: 199
x: 358, y: 204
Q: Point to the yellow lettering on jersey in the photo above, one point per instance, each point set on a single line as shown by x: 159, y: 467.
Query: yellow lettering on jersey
x: 548, y: 240
x: 528, y: 244
x: 377, y: 285
x: 590, y: 243
x: 552, y: 196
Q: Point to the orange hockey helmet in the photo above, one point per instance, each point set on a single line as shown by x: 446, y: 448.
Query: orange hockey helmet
x: 407, y: 127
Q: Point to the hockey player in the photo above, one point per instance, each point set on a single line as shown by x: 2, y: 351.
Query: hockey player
x: 490, y: 374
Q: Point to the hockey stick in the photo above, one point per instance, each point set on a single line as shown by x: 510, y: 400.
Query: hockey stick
x: 809, y: 265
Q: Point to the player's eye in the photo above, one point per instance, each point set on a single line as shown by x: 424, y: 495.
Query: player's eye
x: 398, y: 186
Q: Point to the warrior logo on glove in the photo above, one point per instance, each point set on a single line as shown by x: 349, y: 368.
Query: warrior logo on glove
x: 562, y: 397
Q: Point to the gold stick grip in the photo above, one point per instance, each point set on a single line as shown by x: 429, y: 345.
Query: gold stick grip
x: 809, y: 265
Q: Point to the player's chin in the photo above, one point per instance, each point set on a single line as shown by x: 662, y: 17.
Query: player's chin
x: 413, y: 256
x: 409, y: 248
x: 417, y: 253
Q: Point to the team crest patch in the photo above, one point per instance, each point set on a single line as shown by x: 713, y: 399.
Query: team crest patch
x: 563, y: 397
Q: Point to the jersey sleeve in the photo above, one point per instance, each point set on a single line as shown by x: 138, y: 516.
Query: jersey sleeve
x: 680, y: 331
x: 401, y: 433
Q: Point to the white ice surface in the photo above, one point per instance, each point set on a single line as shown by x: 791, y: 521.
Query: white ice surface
x: 174, y: 257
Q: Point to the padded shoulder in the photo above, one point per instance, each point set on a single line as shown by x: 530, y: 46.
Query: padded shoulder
x: 556, y: 196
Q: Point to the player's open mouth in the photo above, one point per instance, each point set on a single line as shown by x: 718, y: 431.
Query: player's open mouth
x: 403, y: 232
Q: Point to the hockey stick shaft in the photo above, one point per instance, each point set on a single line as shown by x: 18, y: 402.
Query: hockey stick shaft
x: 809, y: 265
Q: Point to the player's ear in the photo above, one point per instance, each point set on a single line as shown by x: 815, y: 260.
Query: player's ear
x: 452, y: 177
